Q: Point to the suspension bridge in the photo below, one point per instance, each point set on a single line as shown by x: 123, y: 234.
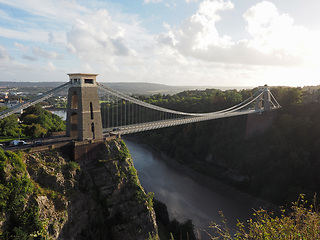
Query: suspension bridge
x: 122, y: 114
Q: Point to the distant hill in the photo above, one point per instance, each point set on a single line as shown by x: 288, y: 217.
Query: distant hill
x: 30, y: 84
x: 148, y: 88
x: 125, y: 87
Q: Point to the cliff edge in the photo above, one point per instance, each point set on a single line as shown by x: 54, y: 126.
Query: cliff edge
x: 45, y: 195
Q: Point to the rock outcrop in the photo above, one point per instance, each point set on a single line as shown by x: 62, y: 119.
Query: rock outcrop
x: 98, y: 199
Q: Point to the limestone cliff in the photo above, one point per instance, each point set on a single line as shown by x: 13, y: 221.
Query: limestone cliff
x: 97, y: 199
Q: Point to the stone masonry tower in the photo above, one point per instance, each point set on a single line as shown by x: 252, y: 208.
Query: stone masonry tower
x: 83, y: 109
x: 264, y: 100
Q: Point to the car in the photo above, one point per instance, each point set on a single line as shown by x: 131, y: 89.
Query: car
x: 38, y: 143
x: 22, y: 143
x: 17, y: 143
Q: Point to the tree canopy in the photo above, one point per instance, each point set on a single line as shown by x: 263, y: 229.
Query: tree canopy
x: 34, y: 122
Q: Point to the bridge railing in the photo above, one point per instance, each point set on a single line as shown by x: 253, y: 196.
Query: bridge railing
x: 134, y: 128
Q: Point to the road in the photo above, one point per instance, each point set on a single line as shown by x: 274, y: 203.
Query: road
x: 40, y: 141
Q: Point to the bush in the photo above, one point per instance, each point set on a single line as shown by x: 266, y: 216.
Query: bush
x: 71, y: 166
x: 17, y: 198
x: 301, y: 223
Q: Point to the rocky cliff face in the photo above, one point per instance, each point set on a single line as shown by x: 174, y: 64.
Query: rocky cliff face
x: 98, y: 199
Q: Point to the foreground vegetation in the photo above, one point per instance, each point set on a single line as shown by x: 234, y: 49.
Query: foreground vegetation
x: 16, y: 187
x: 19, y: 209
x: 300, y: 223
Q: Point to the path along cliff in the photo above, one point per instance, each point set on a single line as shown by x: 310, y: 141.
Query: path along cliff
x: 45, y: 195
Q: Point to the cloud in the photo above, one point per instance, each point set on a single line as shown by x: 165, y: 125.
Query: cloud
x: 119, y: 47
x: 198, y: 32
x: 51, y: 66
x: 274, y: 39
x: 169, y: 4
x: 29, y: 58
x: 38, y: 51
x: 98, y: 37
x: 103, y: 39
x: 52, y: 39
x: 4, y: 53
x: 27, y: 35
x: 274, y: 33
x: 50, y: 9
x: 152, y: 1
x: 21, y: 47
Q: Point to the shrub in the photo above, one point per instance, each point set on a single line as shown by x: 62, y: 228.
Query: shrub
x: 301, y: 223
x: 71, y: 166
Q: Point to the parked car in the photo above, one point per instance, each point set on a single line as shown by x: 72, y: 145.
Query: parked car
x: 38, y: 143
x: 17, y: 143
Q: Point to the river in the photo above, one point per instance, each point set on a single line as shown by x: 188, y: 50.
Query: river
x: 185, y: 197
x: 61, y: 113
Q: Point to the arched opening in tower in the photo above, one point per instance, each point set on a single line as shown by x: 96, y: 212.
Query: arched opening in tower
x: 91, y: 110
x: 74, y: 100
x: 74, y: 125
x: 92, y: 129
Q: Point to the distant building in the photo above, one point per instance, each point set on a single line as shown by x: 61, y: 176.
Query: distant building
x: 7, y: 101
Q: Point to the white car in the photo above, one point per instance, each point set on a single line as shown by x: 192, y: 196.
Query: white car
x: 18, y: 143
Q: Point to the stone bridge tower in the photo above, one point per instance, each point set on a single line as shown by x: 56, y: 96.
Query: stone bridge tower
x: 264, y: 101
x: 83, y: 108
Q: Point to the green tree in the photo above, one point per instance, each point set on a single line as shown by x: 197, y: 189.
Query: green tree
x: 36, y: 115
x: 9, y: 126
x: 35, y: 130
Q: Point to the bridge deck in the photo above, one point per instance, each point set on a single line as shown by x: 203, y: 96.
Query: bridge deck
x: 134, y: 128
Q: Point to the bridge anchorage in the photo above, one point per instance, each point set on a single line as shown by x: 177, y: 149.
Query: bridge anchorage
x: 84, y: 117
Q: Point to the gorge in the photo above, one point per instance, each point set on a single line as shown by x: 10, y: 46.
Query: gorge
x: 188, y: 197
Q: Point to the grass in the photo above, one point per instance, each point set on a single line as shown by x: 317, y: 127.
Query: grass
x: 7, y: 139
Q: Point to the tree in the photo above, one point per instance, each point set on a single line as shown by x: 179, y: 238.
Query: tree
x: 35, y: 131
x: 9, y: 126
x: 46, y: 120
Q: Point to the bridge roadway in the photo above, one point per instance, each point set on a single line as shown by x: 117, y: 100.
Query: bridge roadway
x: 38, y: 142
x: 134, y: 128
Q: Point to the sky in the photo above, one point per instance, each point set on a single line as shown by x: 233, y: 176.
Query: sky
x: 173, y: 42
